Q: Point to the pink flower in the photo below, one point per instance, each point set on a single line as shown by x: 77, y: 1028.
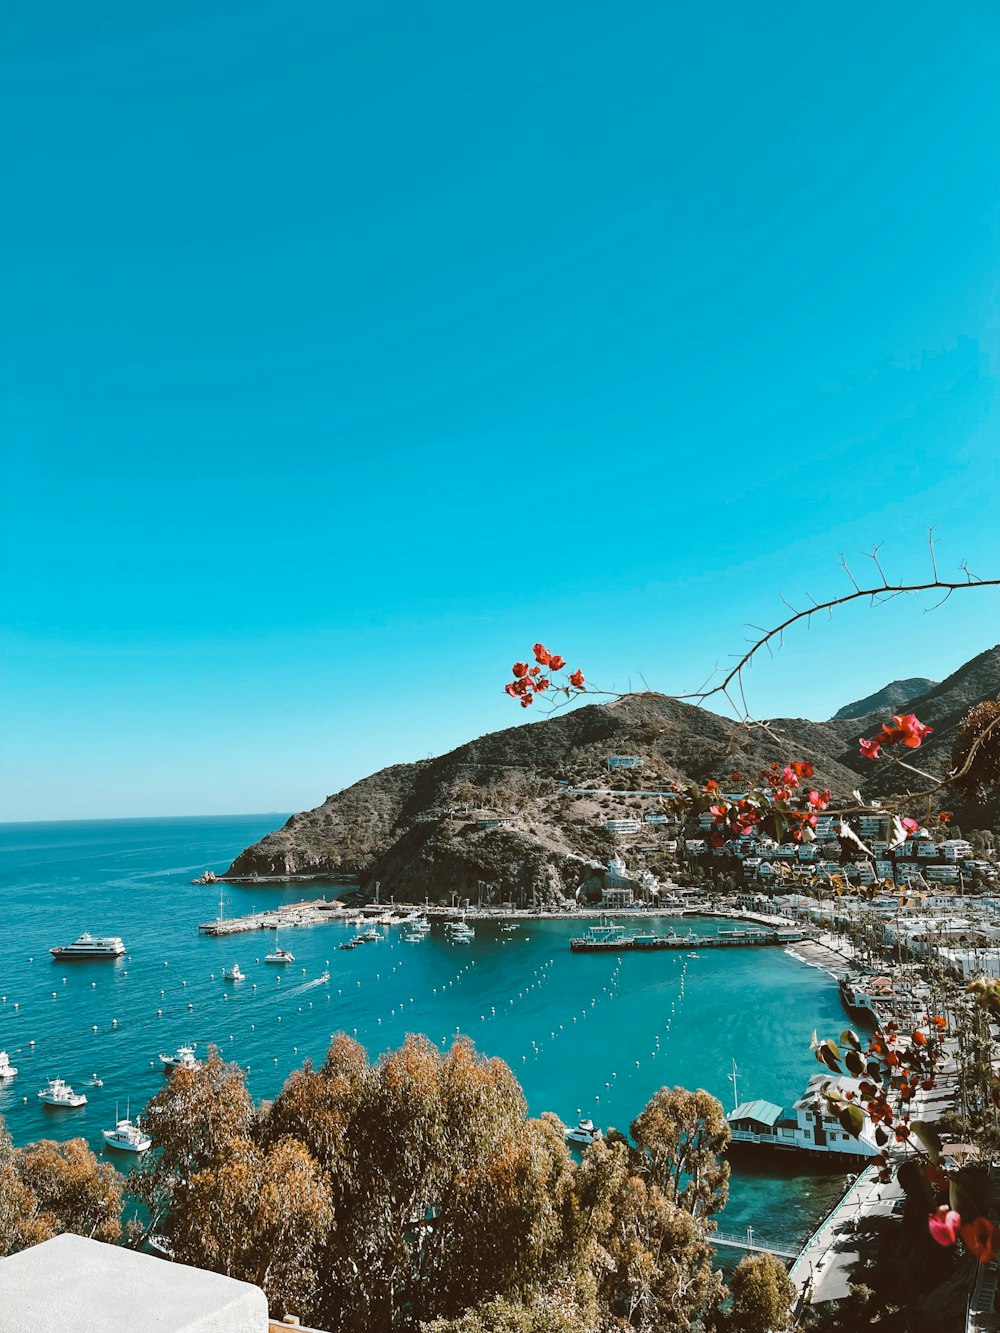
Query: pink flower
x: 909, y: 824
x: 870, y: 749
x: 944, y: 1225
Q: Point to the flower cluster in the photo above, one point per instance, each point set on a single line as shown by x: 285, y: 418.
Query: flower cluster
x: 980, y: 1235
x: 531, y: 680
x: 906, y: 729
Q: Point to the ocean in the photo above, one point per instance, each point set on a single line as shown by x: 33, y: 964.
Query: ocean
x: 587, y: 1034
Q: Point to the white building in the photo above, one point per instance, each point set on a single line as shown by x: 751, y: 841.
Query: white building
x: 623, y: 761
x: 956, y: 849
x: 807, y: 1126
x: 622, y: 825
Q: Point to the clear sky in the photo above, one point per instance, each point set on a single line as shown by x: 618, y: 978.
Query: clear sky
x: 348, y: 350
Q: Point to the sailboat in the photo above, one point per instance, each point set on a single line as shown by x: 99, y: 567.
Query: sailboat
x: 278, y: 955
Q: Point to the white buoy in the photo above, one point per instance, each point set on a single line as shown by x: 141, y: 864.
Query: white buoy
x: 159, y: 1013
x: 32, y: 1042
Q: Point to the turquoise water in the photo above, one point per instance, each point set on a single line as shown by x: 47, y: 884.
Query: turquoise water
x: 587, y: 1034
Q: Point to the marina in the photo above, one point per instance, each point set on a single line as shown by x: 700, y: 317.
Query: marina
x: 591, y: 1036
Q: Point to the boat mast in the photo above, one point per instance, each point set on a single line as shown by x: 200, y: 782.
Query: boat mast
x: 732, y: 1079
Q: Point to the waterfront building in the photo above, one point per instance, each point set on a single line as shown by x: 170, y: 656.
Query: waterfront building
x: 805, y: 1127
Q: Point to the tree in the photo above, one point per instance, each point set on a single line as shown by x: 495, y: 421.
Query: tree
x: 762, y: 1296
x: 681, y: 1136
x: 48, y: 1188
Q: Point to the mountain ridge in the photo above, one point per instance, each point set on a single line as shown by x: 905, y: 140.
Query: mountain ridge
x: 417, y: 828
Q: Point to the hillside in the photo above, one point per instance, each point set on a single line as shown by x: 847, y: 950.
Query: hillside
x: 413, y: 827
x: 889, y: 699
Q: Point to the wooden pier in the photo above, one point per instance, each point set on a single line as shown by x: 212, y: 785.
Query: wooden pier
x: 275, y: 918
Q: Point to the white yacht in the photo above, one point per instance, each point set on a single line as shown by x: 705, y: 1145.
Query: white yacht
x: 370, y: 936
x: 278, y: 955
x: 585, y: 1133
x: 90, y: 946
x: 184, y: 1059
x: 58, y: 1093
x: 126, y: 1136
x: 7, y: 1070
x: 459, y: 932
x: 233, y: 973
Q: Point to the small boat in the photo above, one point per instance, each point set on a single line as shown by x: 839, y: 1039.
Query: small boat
x: 58, y: 1093
x: 585, y: 1133
x: 7, y: 1070
x: 126, y: 1136
x: 95, y: 1082
x: 278, y: 955
x: 370, y: 936
x: 508, y: 928
x: 87, y: 946
x: 694, y: 955
x: 184, y: 1059
x: 233, y: 973
x: 351, y: 944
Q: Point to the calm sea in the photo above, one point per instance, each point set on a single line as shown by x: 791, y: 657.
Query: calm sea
x: 587, y: 1034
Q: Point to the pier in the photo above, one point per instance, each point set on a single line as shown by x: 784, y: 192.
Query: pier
x: 606, y: 939
x: 275, y: 918
x: 752, y: 1243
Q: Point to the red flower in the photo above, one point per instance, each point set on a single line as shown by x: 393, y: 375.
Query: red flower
x: 913, y: 731
x: 944, y: 817
x: 542, y: 683
x: 542, y: 655
x: 819, y: 800
x: 870, y: 749
x: 576, y: 680
x: 517, y: 687
x: 944, y: 1224
x: 802, y: 769
x: 527, y: 699
x: 711, y: 785
x: 981, y: 1236
x: 790, y: 777
x: 520, y: 669
x: 556, y: 663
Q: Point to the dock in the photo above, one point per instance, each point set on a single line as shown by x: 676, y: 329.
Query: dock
x: 607, y: 939
x: 276, y: 918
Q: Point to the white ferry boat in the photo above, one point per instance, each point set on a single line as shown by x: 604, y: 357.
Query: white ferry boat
x: 585, y: 1134
x: 184, y: 1059
x: 90, y: 946
x: 58, y: 1093
x: 126, y: 1136
x: 233, y: 973
x: 7, y: 1070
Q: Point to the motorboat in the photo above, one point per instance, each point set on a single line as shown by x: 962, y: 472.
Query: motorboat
x: 508, y: 928
x: 352, y: 943
x: 184, y: 1059
x: 233, y: 973
x: 585, y: 1133
x: 694, y: 955
x: 459, y: 932
x: 90, y: 946
x: 7, y: 1070
x: 58, y: 1093
x: 277, y: 955
x: 370, y: 936
x: 95, y: 1082
x: 126, y: 1136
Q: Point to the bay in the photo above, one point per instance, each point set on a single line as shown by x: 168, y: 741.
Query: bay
x: 587, y: 1034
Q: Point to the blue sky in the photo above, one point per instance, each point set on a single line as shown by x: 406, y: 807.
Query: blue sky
x: 349, y: 350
